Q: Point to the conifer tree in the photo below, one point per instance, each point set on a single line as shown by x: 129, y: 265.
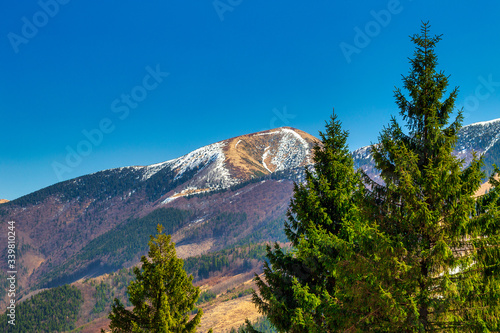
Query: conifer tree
x: 444, y: 244
x: 162, y: 294
x: 418, y: 253
x: 298, y: 293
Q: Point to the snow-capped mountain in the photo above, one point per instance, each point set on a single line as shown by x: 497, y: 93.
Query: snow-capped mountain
x: 243, y: 179
x: 482, y: 138
x: 213, y: 167
x: 230, y: 162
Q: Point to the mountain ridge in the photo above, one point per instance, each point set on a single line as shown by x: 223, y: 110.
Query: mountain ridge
x: 243, y: 164
x: 251, y: 174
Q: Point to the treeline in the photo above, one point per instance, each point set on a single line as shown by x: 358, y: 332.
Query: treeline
x: 223, y: 226
x: 107, y: 184
x: 164, y: 180
x: 53, y: 310
x: 124, y: 243
x: 237, y: 260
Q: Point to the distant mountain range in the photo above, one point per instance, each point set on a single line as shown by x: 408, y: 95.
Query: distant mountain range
x: 229, y: 193
x: 483, y: 138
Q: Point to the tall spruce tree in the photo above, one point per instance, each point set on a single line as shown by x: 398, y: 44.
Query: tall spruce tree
x: 298, y: 293
x: 444, y: 244
x: 419, y: 253
x: 162, y: 294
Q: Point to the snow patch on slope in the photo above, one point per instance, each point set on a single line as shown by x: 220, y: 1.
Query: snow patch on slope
x: 198, y: 158
x: 267, y: 133
x: 211, y: 172
x: 292, y: 150
x: 152, y: 169
x: 264, y: 156
x: 211, y: 162
x: 492, y: 143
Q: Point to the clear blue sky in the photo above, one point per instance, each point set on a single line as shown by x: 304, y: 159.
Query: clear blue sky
x: 234, y: 67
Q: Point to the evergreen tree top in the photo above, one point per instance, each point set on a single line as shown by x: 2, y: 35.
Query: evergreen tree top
x: 163, y: 295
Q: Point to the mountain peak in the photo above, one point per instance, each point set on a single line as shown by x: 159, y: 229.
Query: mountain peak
x: 232, y: 161
x: 268, y: 151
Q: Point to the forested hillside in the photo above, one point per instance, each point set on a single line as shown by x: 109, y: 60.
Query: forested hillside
x: 111, y: 250
x: 53, y: 310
